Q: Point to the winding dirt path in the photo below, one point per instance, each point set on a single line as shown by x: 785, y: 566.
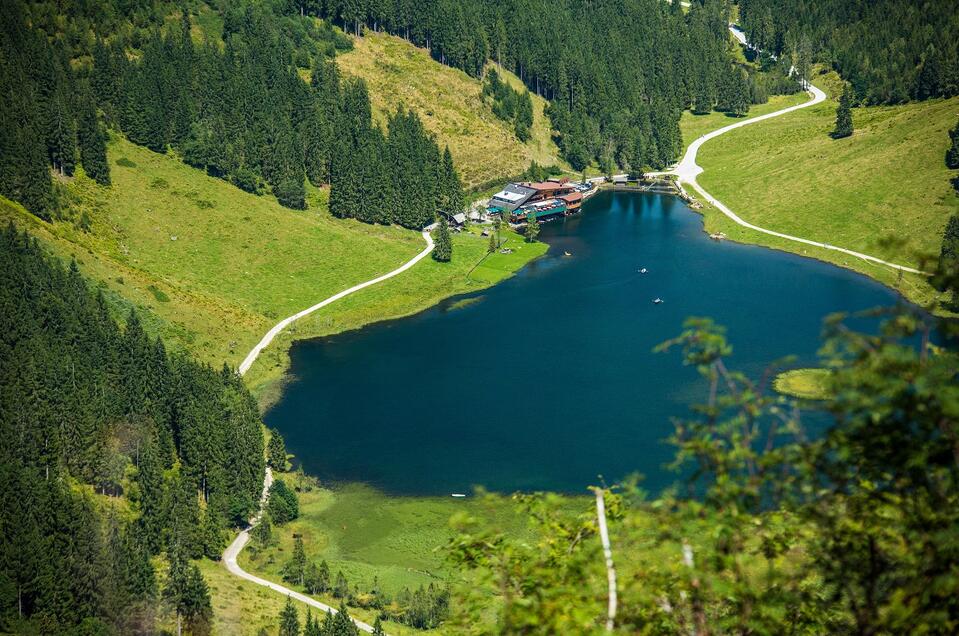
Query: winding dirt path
x: 232, y: 552
x: 234, y: 549
x: 283, y: 324
x: 687, y: 170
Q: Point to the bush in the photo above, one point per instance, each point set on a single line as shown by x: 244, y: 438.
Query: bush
x: 158, y: 294
x: 246, y: 180
x: 282, y: 505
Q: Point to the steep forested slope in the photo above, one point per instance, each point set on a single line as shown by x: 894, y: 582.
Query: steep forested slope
x: 175, y: 448
x: 451, y: 106
x: 618, y: 73
x: 890, y: 50
x: 236, y: 108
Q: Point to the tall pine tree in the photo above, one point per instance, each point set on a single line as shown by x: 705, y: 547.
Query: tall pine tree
x: 92, y: 140
x: 844, y: 115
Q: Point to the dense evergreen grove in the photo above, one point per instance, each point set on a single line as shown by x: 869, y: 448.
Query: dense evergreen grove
x: 89, y: 412
x: 240, y: 111
x: 509, y: 105
x: 48, y: 117
x: 890, y: 51
x: 618, y: 73
x: 397, y: 177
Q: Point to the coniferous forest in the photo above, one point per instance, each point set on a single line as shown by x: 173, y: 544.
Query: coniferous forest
x: 890, y: 51
x: 91, y: 411
x: 618, y: 74
x: 240, y: 111
x: 122, y: 462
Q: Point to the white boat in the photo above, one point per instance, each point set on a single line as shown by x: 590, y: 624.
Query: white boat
x: 642, y: 271
x: 658, y: 301
x: 457, y: 494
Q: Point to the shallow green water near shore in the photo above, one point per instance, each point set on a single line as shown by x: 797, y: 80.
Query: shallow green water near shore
x: 548, y: 380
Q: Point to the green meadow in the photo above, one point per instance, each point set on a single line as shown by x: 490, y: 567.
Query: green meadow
x: 693, y: 126
x: 884, y: 191
x: 213, y: 267
x: 368, y: 535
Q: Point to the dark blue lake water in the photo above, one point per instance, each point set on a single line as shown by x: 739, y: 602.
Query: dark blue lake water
x: 549, y: 379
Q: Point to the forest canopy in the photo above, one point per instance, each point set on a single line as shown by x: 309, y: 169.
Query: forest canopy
x: 89, y: 407
x: 891, y: 51
x: 618, y: 74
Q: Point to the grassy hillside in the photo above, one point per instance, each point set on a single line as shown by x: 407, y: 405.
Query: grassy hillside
x: 217, y: 267
x: 450, y: 105
x: 884, y: 191
x: 693, y: 126
x: 214, y: 255
x: 471, y: 269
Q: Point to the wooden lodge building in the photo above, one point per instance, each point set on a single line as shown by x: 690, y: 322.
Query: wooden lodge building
x: 516, y: 195
x: 539, y: 200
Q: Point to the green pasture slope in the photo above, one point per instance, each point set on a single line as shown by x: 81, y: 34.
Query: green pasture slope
x: 884, y: 191
x: 215, y: 267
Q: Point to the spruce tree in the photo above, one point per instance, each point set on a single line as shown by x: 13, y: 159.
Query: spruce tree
x: 378, y: 628
x: 150, y: 481
x: 311, y: 627
x: 289, y: 619
x: 262, y: 532
x: 31, y: 184
x: 328, y: 623
x: 454, y: 199
x: 532, y: 228
x: 211, y: 534
x: 443, y: 250
x: 62, y: 143
x: 343, y: 625
x: 949, y: 253
x: 952, y: 154
x: 281, y: 503
x: 187, y: 592
x: 493, y: 242
x: 295, y: 569
x: 341, y: 588
x: 844, y: 115
x: 314, y: 580
x: 276, y: 452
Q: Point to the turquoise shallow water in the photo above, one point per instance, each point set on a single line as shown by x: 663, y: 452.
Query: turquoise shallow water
x: 549, y: 380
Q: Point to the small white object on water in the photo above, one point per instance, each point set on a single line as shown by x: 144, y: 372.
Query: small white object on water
x: 458, y: 494
x: 642, y: 271
x: 658, y: 301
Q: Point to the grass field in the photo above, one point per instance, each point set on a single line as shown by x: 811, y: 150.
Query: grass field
x: 884, y: 191
x: 216, y: 267
x: 395, y: 298
x: 694, y: 126
x: 450, y: 105
x: 367, y: 534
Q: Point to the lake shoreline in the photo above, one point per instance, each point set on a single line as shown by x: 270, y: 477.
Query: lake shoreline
x: 552, y: 303
x: 368, y: 530
x: 268, y: 386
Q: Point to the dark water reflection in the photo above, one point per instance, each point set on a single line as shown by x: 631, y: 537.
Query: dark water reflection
x: 550, y: 379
